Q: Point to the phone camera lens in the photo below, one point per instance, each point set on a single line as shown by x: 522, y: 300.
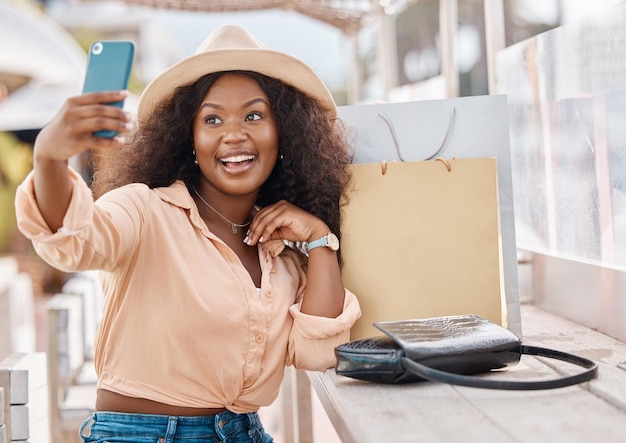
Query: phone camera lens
x: 96, y: 49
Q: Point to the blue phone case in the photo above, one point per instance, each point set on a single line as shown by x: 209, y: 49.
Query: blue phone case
x: 108, y: 69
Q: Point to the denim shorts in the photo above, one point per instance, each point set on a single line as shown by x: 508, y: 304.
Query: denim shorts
x: 226, y: 427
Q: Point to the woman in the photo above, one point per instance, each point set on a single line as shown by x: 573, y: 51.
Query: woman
x: 236, y: 159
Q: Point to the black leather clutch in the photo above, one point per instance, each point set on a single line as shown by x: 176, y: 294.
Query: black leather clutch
x: 447, y: 349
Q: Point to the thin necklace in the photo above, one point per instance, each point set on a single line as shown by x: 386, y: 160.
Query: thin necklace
x: 234, y: 226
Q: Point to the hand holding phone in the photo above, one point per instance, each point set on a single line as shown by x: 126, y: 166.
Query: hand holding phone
x: 108, y: 69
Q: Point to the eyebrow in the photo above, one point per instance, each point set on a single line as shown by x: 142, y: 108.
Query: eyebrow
x: 245, y: 105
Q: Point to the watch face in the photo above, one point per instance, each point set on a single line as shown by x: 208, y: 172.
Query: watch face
x: 333, y: 241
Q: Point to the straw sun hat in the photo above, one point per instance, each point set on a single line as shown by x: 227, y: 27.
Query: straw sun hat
x: 231, y: 48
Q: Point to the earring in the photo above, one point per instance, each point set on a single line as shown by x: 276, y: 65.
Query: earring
x: 195, y: 158
x: 280, y: 155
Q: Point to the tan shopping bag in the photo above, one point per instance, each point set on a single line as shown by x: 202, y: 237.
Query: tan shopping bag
x: 422, y: 240
x: 461, y: 127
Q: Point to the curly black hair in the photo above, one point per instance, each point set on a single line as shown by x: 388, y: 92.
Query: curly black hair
x: 311, y: 174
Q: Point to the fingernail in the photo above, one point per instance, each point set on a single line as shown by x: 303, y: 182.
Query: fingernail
x: 261, y: 240
x: 246, y: 240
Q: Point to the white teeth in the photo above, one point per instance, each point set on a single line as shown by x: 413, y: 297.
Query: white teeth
x: 237, y: 159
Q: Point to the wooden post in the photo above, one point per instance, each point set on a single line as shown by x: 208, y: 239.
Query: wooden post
x: 296, y: 407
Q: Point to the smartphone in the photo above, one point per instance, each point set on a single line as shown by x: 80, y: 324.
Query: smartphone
x: 108, y: 69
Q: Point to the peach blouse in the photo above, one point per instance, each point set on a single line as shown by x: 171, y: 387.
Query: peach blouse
x: 183, y: 322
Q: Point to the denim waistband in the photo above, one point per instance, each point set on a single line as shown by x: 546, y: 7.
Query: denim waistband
x: 218, y: 425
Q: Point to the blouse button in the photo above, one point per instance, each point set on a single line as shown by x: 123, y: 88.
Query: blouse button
x: 260, y: 338
x: 268, y: 293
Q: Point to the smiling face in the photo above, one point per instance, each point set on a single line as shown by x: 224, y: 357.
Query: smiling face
x: 235, y: 137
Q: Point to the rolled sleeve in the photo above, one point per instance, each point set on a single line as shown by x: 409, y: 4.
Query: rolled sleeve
x: 31, y: 222
x: 92, y: 236
x: 314, y: 339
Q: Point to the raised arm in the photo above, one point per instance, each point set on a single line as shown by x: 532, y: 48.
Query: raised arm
x: 69, y: 133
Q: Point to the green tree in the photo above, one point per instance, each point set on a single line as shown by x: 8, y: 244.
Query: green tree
x: 16, y: 161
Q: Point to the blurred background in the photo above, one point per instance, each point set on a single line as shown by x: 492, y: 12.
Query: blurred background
x: 560, y: 63
x: 365, y: 50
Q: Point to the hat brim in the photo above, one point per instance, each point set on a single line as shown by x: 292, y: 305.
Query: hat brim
x: 271, y: 63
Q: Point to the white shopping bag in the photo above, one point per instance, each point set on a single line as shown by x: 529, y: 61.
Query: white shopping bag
x: 464, y: 127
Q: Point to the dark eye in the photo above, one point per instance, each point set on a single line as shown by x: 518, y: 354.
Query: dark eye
x: 213, y: 120
x: 253, y: 117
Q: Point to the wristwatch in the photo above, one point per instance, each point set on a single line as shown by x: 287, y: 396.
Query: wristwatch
x: 329, y: 241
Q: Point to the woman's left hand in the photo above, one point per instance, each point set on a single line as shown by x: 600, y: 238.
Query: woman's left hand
x: 324, y: 292
x: 285, y: 221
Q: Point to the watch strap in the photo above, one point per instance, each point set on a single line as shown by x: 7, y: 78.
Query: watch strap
x: 319, y: 243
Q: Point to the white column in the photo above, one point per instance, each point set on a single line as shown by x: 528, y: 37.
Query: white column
x: 448, y: 23
x: 354, y: 72
x: 495, y: 39
x: 387, y: 53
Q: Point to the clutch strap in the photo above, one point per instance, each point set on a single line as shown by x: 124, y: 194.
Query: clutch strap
x: 591, y: 370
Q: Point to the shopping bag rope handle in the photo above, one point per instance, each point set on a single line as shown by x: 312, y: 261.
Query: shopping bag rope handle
x: 477, y: 382
x: 397, y: 144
